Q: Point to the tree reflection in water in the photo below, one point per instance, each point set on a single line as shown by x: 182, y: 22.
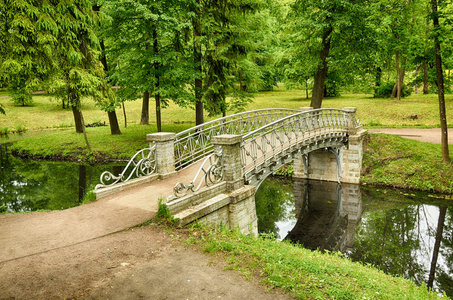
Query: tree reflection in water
x: 28, y: 185
x: 397, y: 232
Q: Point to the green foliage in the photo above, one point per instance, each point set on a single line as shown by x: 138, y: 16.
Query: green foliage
x: 385, y: 90
x: 163, y: 214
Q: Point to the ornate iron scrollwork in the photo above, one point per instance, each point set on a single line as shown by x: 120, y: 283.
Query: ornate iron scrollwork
x: 141, y: 164
x: 209, y: 173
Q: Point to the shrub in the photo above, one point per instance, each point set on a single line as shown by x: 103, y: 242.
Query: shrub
x: 385, y: 90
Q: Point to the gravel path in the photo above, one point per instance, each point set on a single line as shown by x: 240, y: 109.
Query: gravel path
x: 431, y: 135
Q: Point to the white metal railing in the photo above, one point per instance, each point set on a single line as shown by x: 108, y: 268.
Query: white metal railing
x: 141, y: 164
x: 193, y: 144
x: 263, y: 146
x: 209, y: 173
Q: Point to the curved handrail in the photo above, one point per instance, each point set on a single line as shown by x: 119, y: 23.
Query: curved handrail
x: 141, y: 164
x: 265, y: 145
x: 194, y: 143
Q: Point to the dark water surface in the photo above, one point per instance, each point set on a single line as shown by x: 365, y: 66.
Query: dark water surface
x: 28, y: 185
x: 403, y: 233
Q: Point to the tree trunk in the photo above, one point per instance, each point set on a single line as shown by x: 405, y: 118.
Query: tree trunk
x: 321, y: 73
x: 156, y: 76
x: 113, y: 121
x: 85, y: 133
x: 242, y: 86
x: 377, y: 82
x: 425, y: 78
x: 124, y: 114
x: 198, y: 66
x: 145, y: 109
x: 416, y: 75
x: 440, y: 85
x: 77, y: 118
x: 439, y: 233
x: 400, y: 71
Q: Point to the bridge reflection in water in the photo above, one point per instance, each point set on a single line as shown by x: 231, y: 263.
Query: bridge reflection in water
x: 403, y: 233
x: 327, y: 214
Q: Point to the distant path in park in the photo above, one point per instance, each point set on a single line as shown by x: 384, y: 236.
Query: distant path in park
x: 430, y: 135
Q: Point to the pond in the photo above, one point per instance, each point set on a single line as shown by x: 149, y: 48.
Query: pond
x: 28, y: 185
x: 403, y: 233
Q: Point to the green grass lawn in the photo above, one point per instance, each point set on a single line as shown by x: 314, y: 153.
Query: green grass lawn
x: 46, y: 112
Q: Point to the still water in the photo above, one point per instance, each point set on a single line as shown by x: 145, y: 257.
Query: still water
x: 403, y: 233
x: 28, y: 185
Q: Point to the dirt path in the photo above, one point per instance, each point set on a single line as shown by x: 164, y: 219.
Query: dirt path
x: 141, y: 263
x: 431, y: 135
x: 85, y: 252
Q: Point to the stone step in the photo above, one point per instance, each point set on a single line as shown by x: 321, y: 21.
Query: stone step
x: 192, y: 199
x: 195, y: 212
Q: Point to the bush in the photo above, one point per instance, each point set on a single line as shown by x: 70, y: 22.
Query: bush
x: 385, y: 90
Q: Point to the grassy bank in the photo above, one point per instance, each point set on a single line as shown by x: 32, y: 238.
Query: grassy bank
x: 398, y: 162
x: 302, y: 273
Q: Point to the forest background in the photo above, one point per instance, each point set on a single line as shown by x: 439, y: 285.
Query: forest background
x: 213, y: 55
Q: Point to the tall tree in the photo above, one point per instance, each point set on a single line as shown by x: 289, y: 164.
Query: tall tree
x: 77, y: 51
x: 146, y: 39
x: 109, y: 104
x: 330, y: 31
x: 28, y: 35
x: 440, y: 83
x: 221, y: 42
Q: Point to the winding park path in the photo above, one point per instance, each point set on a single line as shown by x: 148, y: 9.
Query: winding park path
x: 85, y: 252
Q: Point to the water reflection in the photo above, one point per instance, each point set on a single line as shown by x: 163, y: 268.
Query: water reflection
x: 327, y: 215
x: 27, y: 185
x: 402, y: 234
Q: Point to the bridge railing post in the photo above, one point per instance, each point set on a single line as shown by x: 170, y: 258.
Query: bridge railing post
x: 165, y: 157
x: 231, y: 153
x: 352, y: 123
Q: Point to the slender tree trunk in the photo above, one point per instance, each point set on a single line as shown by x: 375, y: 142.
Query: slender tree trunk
x: 440, y: 85
x: 242, y: 86
x: 425, y: 78
x: 306, y: 88
x: 400, y: 71
x: 124, y: 114
x: 85, y: 133
x: 377, y: 82
x: 113, y: 120
x: 77, y: 118
x: 198, y: 65
x: 416, y: 75
x: 156, y: 76
x: 439, y: 233
x: 321, y: 73
x: 145, y: 109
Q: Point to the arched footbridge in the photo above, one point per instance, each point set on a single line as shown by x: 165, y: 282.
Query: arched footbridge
x: 217, y: 166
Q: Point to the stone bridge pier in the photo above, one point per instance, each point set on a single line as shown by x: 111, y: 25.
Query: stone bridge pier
x: 230, y: 203
x: 338, y: 164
